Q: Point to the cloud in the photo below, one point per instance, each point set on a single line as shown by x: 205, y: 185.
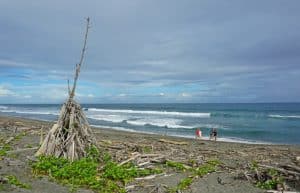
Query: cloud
x: 11, y: 63
x: 4, y: 92
x: 230, y: 51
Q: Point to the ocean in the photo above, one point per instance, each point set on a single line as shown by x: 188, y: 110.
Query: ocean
x: 275, y: 123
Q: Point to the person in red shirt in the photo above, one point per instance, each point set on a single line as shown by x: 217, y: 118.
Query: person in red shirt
x: 198, y: 133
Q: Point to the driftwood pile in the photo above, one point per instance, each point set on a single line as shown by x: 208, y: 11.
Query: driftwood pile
x: 286, y: 173
x: 147, y: 155
x: 71, y: 136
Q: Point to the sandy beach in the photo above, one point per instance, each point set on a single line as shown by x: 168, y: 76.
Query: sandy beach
x: 234, y: 158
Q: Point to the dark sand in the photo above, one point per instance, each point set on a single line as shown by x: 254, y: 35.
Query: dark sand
x: 234, y: 156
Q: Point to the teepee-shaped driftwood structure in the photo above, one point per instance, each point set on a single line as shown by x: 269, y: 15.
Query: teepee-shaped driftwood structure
x: 71, y: 136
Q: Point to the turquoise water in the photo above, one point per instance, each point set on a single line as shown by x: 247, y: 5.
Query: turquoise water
x: 254, y: 123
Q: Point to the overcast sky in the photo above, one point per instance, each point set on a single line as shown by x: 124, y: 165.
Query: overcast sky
x: 151, y: 50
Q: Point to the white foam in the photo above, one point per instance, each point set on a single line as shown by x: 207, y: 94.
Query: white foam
x: 114, y: 128
x: 285, y: 116
x: 3, y: 107
x: 186, y: 114
x: 169, y: 123
x: 31, y: 112
x: 232, y: 140
x: 109, y: 118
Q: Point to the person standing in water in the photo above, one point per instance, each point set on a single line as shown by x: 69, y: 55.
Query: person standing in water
x: 213, y: 134
x: 198, y: 133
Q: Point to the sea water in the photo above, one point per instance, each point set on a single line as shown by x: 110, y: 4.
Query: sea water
x: 277, y: 123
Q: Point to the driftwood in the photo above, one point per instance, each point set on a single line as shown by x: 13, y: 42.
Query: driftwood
x: 150, y: 177
x: 285, y: 171
x: 71, y: 136
x: 291, y: 167
x: 22, y: 150
x: 9, y: 140
x: 275, y: 191
x: 173, y: 142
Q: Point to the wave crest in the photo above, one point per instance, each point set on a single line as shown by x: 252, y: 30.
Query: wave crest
x: 172, y: 113
x: 285, y: 116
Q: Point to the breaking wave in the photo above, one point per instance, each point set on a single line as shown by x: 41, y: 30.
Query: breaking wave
x: 185, y: 114
x: 285, y: 116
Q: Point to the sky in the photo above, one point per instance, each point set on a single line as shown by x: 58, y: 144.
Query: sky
x: 151, y: 51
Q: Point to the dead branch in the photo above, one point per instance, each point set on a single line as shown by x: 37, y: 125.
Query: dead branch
x: 72, y: 136
x: 280, y: 170
x: 173, y: 142
x: 22, y: 150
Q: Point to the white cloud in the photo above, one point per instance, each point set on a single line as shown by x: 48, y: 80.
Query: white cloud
x: 161, y: 94
x: 185, y: 94
x: 155, y: 62
x: 27, y: 96
x: 122, y: 95
x: 12, y: 63
x: 91, y: 95
x: 5, y: 92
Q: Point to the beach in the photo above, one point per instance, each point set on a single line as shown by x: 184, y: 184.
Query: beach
x: 121, y: 144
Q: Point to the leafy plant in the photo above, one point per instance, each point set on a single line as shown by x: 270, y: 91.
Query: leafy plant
x: 208, y: 167
x: 177, y: 165
x: 85, y: 172
x: 4, y: 149
x: 14, y: 181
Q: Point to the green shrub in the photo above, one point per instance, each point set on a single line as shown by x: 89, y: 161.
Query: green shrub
x: 85, y: 172
x: 177, y: 165
x: 14, y: 181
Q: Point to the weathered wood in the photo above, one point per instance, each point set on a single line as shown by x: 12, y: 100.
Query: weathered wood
x: 173, y: 142
x: 72, y: 136
x: 9, y: 140
x: 78, y: 66
x: 149, y: 177
x: 280, y: 170
x: 22, y: 150
x: 130, y: 159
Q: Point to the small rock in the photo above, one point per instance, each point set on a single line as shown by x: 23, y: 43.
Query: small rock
x: 298, y: 158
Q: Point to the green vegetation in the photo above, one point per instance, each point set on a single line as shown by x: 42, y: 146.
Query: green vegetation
x: 20, y: 136
x: 177, y: 165
x: 28, y: 146
x: 14, y: 181
x: 147, y: 149
x: 4, y: 149
x: 271, y: 181
x: 208, y: 167
x: 97, y: 172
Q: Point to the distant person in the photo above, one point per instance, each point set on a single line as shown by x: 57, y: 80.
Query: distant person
x: 213, y: 134
x: 198, y: 133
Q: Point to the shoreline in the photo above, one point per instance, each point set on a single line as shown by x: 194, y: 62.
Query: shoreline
x: 122, y: 129
x: 125, y: 131
x: 121, y: 145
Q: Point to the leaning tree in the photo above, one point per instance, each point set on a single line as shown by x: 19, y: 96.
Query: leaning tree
x: 71, y: 136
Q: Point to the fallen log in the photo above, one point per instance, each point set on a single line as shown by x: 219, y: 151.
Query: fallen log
x: 275, y: 191
x: 288, y: 167
x: 9, y: 140
x: 150, y: 177
x: 173, y: 142
x: 130, y: 159
x: 280, y: 170
x: 111, y: 146
x: 22, y: 150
